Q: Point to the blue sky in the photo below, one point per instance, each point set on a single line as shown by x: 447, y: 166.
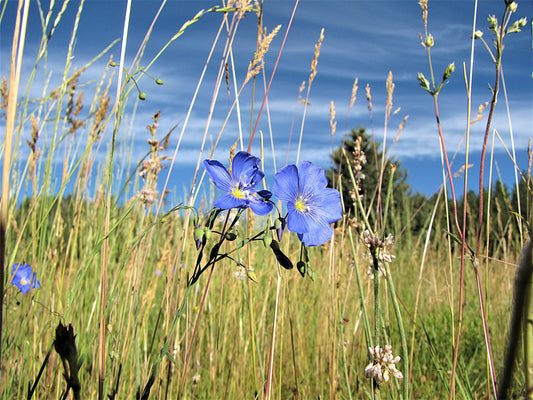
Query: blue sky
x: 363, y: 39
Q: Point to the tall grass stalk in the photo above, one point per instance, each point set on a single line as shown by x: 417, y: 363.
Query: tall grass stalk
x: 17, y: 50
x: 118, y: 110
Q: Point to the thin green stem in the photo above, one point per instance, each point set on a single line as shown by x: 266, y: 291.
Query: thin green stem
x: 364, y: 312
x: 403, y: 338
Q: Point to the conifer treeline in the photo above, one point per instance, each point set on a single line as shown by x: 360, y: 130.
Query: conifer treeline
x: 410, y: 211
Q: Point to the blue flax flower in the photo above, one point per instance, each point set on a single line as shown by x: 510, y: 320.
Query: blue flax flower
x: 240, y: 185
x: 23, y: 278
x: 311, y: 205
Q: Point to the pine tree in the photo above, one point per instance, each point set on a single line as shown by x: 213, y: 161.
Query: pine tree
x: 364, y: 157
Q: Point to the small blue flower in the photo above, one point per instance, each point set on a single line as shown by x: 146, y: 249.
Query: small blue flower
x: 23, y: 278
x: 240, y: 185
x: 311, y: 205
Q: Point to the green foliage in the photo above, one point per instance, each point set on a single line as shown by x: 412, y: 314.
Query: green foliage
x: 375, y: 175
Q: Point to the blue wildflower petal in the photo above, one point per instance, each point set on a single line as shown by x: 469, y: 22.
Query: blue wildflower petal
x: 229, y: 201
x: 35, y: 283
x: 297, y: 221
x: 286, y: 185
x: 245, y: 169
x: 311, y: 205
x: 316, y: 237
x: 219, y: 175
x: 260, y: 206
x: 327, y: 203
x: 312, y: 179
x: 23, y: 278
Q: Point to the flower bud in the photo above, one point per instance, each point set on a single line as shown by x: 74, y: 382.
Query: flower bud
x: 198, y: 236
x: 516, y: 26
x: 302, y: 268
x: 250, y: 273
x: 423, y: 81
x: 283, y: 260
x: 230, y: 236
x: 429, y: 42
x: 159, y: 81
x: 448, y: 72
x: 267, y: 239
x: 142, y: 96
x: 198, y: 233
x: 493, y: 22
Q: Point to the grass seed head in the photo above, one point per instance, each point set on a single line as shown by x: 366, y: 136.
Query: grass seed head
x: 354, y: 92
x: 314, y: 63
x: 258, y: 61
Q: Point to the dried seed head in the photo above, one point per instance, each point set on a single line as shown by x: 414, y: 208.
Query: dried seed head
x: 258, y: 62
x: 424, y: 5
x: 314, y: 63
x: 390, y: 89
x: 101, y: 113
x: 354, y: 92
x: 368, y: 97
x: 3, y: 93
x: 332, y: 122
x: 400, y: 129
x: 301, y: 89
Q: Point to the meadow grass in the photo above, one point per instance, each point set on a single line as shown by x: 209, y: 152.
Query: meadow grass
x: 152, y: 320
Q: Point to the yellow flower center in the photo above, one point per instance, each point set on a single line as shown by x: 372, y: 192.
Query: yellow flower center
x: 238, y: 193
x: 24, y: 282
x: 300, y: 205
